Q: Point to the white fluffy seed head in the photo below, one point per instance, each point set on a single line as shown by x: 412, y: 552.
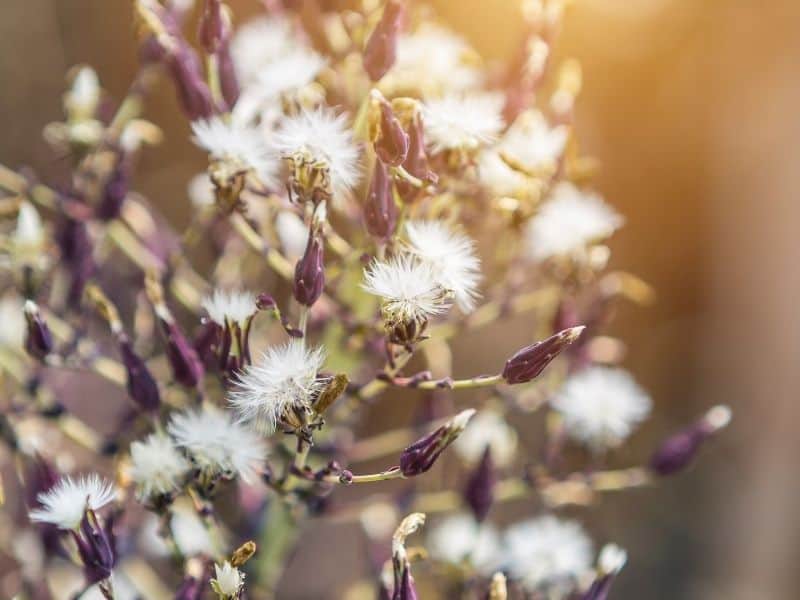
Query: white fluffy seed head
x: 230, y: 306
x: 601, y: 406
x: 228, y: 580
x: 295, y: 69
x: 243, y: 146
x: 548, y: 551
x: 409, y: 289
x: 451, y: 255
x: 487, y: 429
x: 64, y: 504
x: 462, y: 122
x: 460, y: 538
x: 157, y: 467
x: 569, y: 222
x: 322, y: 137
x: 217, y: 444
x: 260, y: 42
x: 284, y: 378
x: 611, y: 560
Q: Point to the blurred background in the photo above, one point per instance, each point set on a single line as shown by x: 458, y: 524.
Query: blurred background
x: 692, y: 108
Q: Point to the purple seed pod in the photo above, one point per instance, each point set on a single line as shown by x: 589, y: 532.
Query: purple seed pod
x: 420, y: 456
x: 193, y: 93
x: 38, y: 340
x: 416, y: 162
x: 529, y: 362
x: 206, y: 342
x: 393, y: 142
x: 380, y: 210
x: 227, y: 75
x: 212, y: 30
x: 309, y: 274
x: 381, y: 48
x: 95, y: 547
x: 479, y: 491
x: 406, y: 590
x: 678, y: 450
x: 142, y: 387
x: 187, y: 368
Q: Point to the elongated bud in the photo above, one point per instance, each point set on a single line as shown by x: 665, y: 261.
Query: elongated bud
x: 77, y: 255
x: 227, y: 75
x: 612, y: 559
x: 404, y: 588
x: 391, y: 142
x: 381, y: 49
x: 529, y: 362
x: 677, y: 451
x: 309, y: 274
x: 39, y: 340
x: 479, y: 491
x: 193, y: 93
x: 115, y: 191
x: 95, y: 547
x: 416, y: 162
x: 420, y: 456
x: 142, y: 387
x: 213, y: 29
x: 380, y: 211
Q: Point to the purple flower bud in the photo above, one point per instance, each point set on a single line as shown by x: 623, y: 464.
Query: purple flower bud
x: 265, y: 302
x: 193, y: 93
x: 677, y: 451
x: 393, y: 142
x: 420, y: 456
x: 213, y: 29
x: 115, y: 191
x: 187, y: 368
x: 95, y: 547
x: 39, y: 340
x: 381, y: 49
x: 309, y: 274
x: 479, y: 491
x: 612, y: 559
x: 142, y: 387
x: 416, y: 162
x: 380, y: 210
x: 227, y: 75
x: 529, y: 362
x: 406, y: 590
x: 206, y: 342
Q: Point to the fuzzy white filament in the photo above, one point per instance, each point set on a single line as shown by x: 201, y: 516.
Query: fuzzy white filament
x: 65, y: 503
x: 218, y: 444
x: 463, y: 122
x: 243, y: 146
x: 601, y: 406
x: 230, y: 305
x: 284, y: 378
x: 157, y: 467
x: 451, y: 255
x: 409, y: 289
x: 325, y: 139
x: 568, y: 222
x: 547, y: 551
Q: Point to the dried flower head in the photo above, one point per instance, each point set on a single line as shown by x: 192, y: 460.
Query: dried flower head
x: 65, y: 504
x: 284, y: 381
x: 601, y: 406
x: 217, y: 444
x: 230, y: 306
x: 157, y: 467
x: 228, y: 581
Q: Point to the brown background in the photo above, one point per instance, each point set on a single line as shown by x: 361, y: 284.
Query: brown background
x: 692, y: 107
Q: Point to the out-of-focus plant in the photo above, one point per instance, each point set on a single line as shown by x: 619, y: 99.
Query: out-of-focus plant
x: 373, y: 190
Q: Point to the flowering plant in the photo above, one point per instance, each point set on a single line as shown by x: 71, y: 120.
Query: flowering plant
x: 373, y: 191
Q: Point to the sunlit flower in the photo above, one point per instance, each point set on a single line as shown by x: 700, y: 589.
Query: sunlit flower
x: 568, y: 222
x: 285, y: 378
x: 157, y: 467
x: 547, y: 551
x: 259, y: 42
x: 460, y: 538
x: 217, y: 444
x: 462, y: 122
x: 409, y: 289
x: 228, y: 580
x: 243, y: 147
x: 230, y: 306
x: 487, y: 429
x: 321, y: 138
x: 452, y: 257
x: 65, y: 503
x: 293, y: 70
x: 601, y: 406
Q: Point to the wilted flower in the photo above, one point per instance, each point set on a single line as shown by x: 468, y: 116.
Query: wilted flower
x: 157, y: 467
x: 281, y: 387
x: 65, y: 503
x: 600, y: 406
x: 228, y: 581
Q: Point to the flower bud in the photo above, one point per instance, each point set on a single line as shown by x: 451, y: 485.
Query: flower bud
x: 309, y: 274
x: 227, y: 76
x: 193, y: 93
x: 380, y: 211
x: 213, y: 29
x: 142, y: 387
x: 677, y: 451
x: 187, y: 368
x: 416, y: 162
x: 95, y: 547
x: 479, y: 491
x: 381, y: 48
x: 612, y: 559
x: 406, y: 590
x: 392, y: 143
x: 529, y: 362
x: 39, y: 340
x: 420, y: 456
